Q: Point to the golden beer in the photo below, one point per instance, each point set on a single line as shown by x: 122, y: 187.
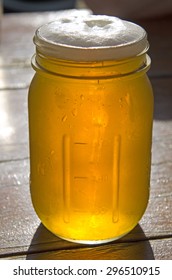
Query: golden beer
x: 90, y: 125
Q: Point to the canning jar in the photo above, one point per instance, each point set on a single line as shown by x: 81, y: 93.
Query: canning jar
x: 90, y: 127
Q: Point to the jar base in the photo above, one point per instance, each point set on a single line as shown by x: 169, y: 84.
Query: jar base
x: 92, y: 242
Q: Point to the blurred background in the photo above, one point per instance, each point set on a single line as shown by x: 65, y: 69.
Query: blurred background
x: 10, y: 6
x: 128, y: 9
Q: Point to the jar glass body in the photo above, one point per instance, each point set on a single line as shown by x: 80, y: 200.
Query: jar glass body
x: 90, y: 148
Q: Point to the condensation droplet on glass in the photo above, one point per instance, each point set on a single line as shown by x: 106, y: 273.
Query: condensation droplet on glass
x: 74, y: 112
x: 41, y: 169
x: 82, y: 97
x: 128, y: 100
x: 64, y: 118
x: 121, y: 102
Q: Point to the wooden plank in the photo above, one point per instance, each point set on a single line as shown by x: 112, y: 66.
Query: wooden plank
x: 14, y: 152
x: 14, y: 118
x: 14, y: 173
x: 16, y: 76
x: 20, y: 227
x: 141, y: 250
x: 162, y: 249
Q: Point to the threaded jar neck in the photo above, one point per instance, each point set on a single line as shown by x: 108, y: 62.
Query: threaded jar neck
x: 100, y: 69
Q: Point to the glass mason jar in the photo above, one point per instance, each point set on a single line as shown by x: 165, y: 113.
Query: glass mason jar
x: 90, y: 124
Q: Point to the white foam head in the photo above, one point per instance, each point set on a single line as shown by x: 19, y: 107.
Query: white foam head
x: 91, y: 38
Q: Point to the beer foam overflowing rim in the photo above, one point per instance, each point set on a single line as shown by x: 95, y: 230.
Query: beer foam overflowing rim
x: 91, y: 38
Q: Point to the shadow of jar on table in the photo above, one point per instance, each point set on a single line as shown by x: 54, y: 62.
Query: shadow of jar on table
x: 46, y: 246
